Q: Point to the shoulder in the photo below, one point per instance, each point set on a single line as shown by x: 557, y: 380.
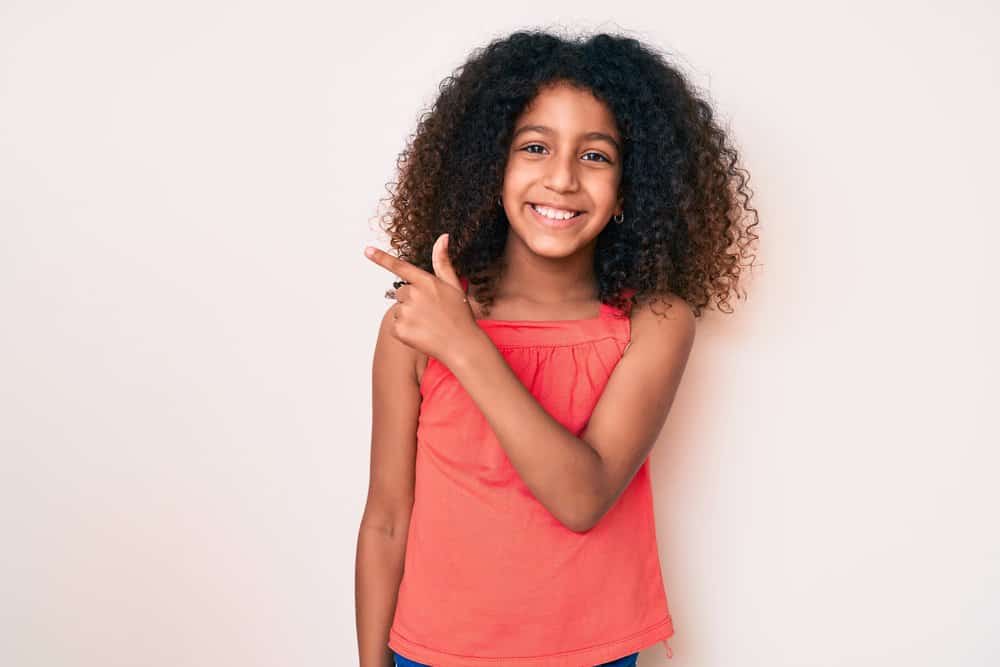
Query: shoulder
x: 395, y: 356
x: 664, y: 317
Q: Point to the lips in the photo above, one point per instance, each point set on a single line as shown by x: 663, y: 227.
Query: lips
x: 558, y: 208
x: 555, y: 224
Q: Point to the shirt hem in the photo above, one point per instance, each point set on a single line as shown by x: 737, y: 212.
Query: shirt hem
x: 586, y: 657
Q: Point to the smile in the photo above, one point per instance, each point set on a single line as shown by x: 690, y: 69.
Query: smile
x: 555, y: 222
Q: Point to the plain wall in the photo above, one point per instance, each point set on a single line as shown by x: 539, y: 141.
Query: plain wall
x: 188, y: 327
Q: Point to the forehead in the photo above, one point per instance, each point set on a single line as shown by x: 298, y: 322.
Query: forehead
x: 568, y: 109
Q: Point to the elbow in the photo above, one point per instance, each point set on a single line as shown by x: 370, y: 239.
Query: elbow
x: 585, y: 524
x: 584, y: 514
x: 572, y: 518
x: 582, y: 521
x: 589, y: 514
x: 578, y: 526
x: 583, y: 505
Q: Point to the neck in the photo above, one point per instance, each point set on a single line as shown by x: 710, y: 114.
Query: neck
x: 546, y: 280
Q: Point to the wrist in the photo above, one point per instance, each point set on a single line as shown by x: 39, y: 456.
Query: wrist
x: 464, y: 353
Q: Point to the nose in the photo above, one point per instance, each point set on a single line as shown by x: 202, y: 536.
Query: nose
x: 560, y: 173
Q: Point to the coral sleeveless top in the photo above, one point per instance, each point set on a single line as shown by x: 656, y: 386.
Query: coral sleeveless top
x: 490, y: 576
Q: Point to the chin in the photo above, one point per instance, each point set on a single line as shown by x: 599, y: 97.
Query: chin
x: 545, y: 245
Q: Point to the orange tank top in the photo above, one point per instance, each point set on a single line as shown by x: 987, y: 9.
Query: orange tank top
x: 490, y: 576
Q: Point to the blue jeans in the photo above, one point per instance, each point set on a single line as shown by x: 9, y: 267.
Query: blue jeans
x: 627, y: 661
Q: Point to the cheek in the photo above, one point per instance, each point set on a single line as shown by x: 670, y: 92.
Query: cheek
x: 605, y: 190
x: 515, y: 178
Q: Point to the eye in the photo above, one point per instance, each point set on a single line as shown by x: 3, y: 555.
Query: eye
x: 587, y: 153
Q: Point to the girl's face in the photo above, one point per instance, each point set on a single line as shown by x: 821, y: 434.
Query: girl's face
x: 565, y: 154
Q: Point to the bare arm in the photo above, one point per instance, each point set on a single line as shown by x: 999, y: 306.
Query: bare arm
x: 579, y: 479
x: 382, y: 536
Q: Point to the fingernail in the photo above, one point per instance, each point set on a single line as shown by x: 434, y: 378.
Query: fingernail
x: 369, y: 251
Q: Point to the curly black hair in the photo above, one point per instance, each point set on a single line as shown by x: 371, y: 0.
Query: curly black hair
x: 685, y: 198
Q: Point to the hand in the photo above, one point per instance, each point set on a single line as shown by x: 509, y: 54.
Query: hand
x: 432, y: 313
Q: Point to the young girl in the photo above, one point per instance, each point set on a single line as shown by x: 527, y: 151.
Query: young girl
x: 556, y: 193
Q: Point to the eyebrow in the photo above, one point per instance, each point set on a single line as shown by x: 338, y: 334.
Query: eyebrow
x: 544, y: 129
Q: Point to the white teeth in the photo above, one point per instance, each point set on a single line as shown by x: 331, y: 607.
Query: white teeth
x: 553, y: 213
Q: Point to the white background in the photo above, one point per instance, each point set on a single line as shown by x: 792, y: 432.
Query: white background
x: 188, y: 325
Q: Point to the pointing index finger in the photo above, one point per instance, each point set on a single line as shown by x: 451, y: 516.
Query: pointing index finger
x: 401, y: 268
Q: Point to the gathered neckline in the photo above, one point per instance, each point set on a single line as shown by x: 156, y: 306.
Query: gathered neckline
x: 604, y: 310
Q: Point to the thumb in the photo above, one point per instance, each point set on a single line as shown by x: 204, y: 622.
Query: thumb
x: 442, y: 263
